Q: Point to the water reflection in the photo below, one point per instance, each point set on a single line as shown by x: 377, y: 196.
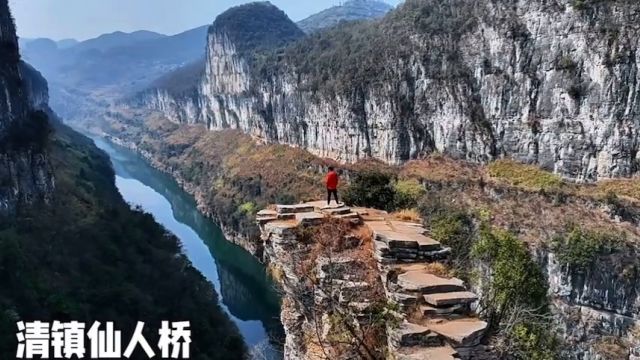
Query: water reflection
x: 246, y: 293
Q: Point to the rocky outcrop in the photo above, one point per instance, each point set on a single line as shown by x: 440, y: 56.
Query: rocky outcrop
x: 598, y: 305
x: 431, y: 314
x: 36, y: 87
x: 551, y: 83
x: 25, y: 174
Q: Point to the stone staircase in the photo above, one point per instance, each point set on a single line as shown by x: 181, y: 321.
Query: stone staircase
x: 436, y: 310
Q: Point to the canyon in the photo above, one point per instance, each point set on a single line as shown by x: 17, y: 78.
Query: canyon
x: 544, y: 82
x: 553, y: 84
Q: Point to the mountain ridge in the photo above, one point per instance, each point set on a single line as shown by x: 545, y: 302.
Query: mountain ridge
x: 349, y: 11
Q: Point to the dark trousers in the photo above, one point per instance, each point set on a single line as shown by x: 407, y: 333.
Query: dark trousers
x: 335, y: 195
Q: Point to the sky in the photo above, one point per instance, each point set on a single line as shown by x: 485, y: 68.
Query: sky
x: 84, y: 19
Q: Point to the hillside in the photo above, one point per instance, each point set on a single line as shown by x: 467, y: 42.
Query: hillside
x: 105, y: 261
x: 349, y: 11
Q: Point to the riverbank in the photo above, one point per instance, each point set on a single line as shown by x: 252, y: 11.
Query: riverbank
x: 246, y: 292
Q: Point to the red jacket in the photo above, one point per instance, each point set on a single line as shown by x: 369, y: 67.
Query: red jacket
x: 332, y: 180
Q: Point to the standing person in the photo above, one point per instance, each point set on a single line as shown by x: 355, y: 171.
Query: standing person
x: 332, y: 185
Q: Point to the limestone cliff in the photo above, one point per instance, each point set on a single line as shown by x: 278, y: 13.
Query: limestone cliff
x: 553, y: 83
x: 25, y: 174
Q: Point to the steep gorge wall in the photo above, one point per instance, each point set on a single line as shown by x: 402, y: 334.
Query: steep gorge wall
x: 544, y: 82
x: 25, y: 173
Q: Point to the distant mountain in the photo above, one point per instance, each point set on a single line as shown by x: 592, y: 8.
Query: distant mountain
x: 67, y: 43
x: 349, y: 11
x: 116, y: 39
x: 24, y: 41
x: 126, y: 60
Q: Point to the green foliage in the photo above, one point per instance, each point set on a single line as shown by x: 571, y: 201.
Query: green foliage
x: 517, y: 292
x: 248, y: 208
x: 256, y: 26
x: 533, y: 342
x: 578, y: 248
x: 88, y: 256
x: 371, y: 189
x: 407, y: 193
x: 516, y: 278
x: 454, y: 229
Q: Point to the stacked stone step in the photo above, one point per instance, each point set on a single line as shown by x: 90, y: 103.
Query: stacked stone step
x: 408, y: 245
x: 436, y: 310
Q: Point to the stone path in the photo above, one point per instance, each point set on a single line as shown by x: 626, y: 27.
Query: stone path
x: 436, y: 308
x: 437, y: 320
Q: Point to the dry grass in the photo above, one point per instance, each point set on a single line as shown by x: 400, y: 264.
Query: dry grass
x: 408, y: 215
x: 441, y: 168
x: 438, y: 269
x: 525, y: 176
x: 629, y: 188
x: 611, y: 348
x: 276, y: 273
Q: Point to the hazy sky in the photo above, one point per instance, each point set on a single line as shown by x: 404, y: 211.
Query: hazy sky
x: 83, y: 19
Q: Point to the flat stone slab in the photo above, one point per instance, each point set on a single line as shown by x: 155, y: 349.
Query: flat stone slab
x: 267, y: 212
x: 462, y: 331
x: 410, y: 334
x: 310, y: 217
x: 293, y: 209
x: 286, y: 216
x: 409, y: 240
x: 265, y: 219
x: 347, y: 216
x: 405, y: 227
x: 430, y: 311
x: 336, y: 211
x: 450, y: 298
x: 429, y: 283
x: 280, y: 227
x: 427, y: 353
x: 378, y: 225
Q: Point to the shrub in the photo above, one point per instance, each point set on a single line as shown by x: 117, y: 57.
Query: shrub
x: 578, y: 249
x: 371, y: 189
x: 248, y: 208
x: 407, y: 193
x: 454, y: 229
x: 516, y: 278
x: 515, y: 299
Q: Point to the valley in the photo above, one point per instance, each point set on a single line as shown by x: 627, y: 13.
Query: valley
x: 506, y: 133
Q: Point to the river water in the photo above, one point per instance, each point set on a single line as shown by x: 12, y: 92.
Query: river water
x: 245, y: 292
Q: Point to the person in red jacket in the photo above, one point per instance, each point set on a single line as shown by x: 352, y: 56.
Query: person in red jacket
x: 332, y: 185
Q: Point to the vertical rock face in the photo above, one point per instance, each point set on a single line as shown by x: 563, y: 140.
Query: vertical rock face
x: 552, y: 83
x: 25, y: 174
x: 597, y: 305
